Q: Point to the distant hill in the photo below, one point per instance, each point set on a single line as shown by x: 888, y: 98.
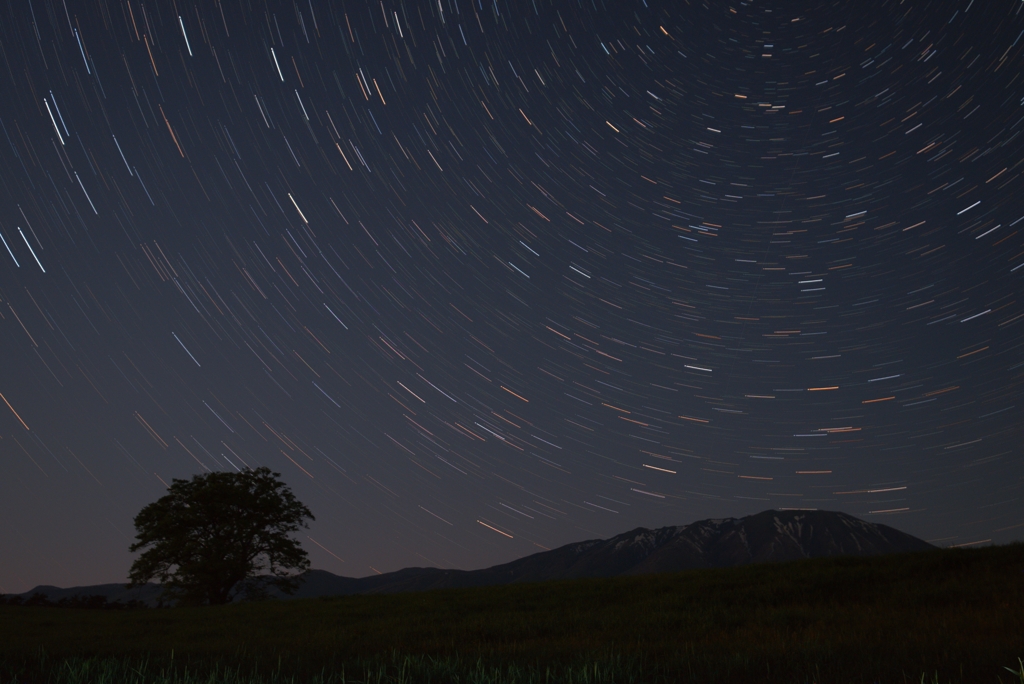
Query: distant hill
x: 767, y: 537
x: 76, y: 596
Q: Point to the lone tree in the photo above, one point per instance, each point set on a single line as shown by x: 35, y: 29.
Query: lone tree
x: 214, y: 534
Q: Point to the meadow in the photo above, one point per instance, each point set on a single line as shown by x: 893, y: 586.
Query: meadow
x: 949, y: 615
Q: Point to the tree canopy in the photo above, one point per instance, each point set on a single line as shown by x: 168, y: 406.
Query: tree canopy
x: 210, y: 538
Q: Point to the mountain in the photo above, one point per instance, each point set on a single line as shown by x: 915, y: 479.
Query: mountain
x: 770, y: 536
x: 767, y: 537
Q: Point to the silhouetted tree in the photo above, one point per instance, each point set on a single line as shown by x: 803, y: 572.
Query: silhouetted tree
x: 37, y: 599
x: 210, y: 537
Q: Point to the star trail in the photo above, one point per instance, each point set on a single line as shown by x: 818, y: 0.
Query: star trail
x: 480, y: 278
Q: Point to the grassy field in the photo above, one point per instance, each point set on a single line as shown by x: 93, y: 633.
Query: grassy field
x: 950, y: 615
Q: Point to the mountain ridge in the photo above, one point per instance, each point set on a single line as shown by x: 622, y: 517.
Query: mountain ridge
x: 766, y: 537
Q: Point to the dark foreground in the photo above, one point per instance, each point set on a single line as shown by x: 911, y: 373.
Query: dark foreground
x: 935, y: 616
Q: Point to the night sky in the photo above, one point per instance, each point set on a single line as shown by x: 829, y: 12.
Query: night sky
x: 482, y: 278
